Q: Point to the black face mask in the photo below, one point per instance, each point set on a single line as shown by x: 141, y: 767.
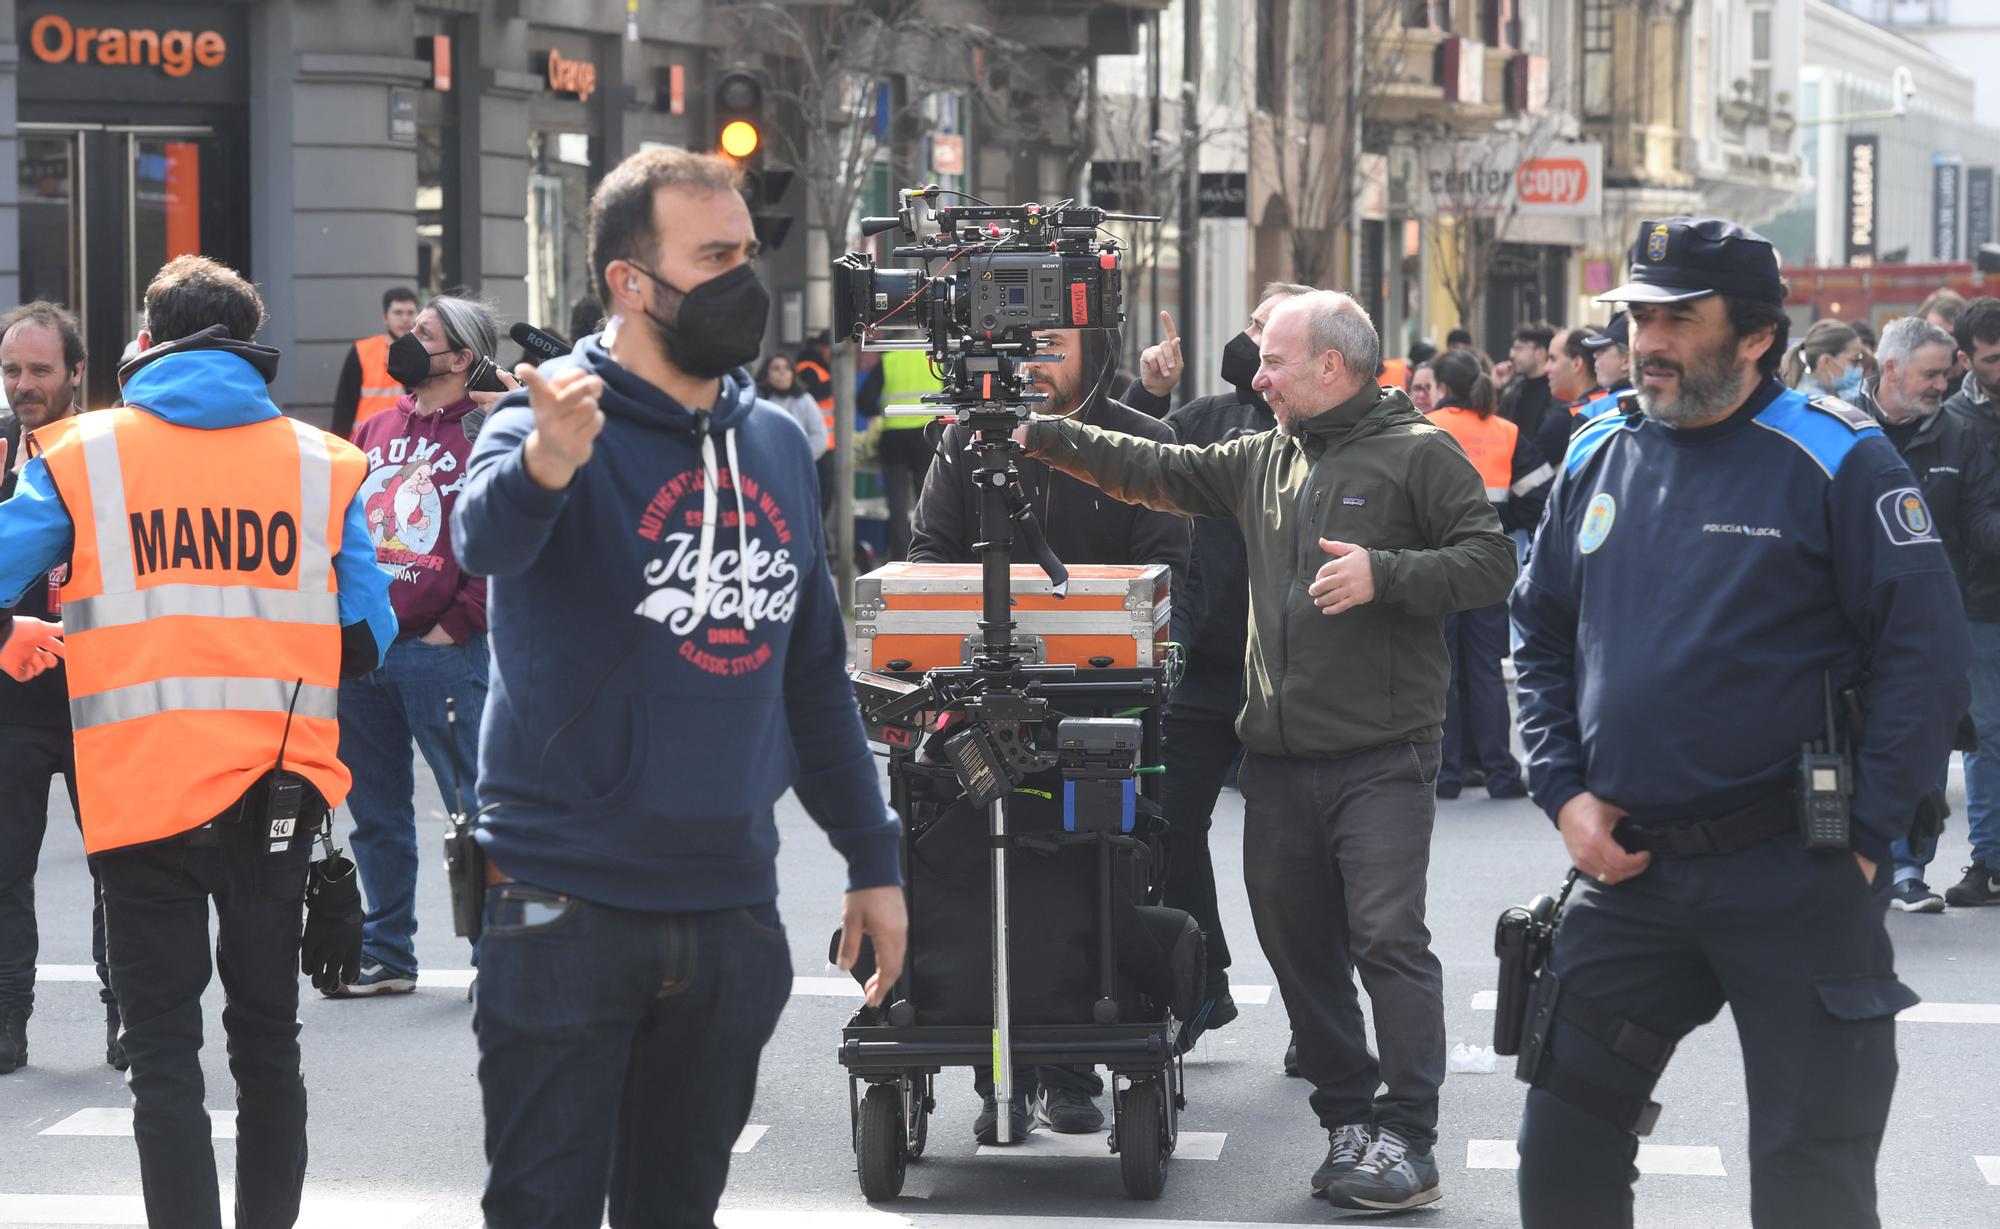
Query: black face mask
x: 720, y: 324
x: 1240, y: 361
x: 409, y: 361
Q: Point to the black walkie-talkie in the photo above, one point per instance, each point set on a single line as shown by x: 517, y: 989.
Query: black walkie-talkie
x: 285, y: 796
x: 1826, y: 783
x: 464, y: 860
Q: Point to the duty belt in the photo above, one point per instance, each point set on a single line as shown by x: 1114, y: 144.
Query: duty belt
x: 1740, y: 829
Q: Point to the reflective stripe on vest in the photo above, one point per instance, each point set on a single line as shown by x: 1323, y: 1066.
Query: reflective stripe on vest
x: 1489, y: 442
x: 378, y: 390
x: 906, y: 377
x: 201, y: 601
x: 201, y: 694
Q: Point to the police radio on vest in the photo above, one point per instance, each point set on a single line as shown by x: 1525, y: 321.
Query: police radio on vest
x: 231, y: 540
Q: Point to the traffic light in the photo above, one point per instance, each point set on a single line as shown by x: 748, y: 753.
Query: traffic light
x: 739, y: 115
x: 740, y: 132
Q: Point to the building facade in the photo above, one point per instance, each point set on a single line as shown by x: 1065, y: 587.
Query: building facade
x: 335, y: 148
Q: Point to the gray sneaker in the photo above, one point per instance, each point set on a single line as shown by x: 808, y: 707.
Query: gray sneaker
x: 376, y: 979
x: 1389, y: 1178
x: 1345, y: 1146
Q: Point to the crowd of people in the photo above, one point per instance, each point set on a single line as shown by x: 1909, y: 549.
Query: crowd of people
x: 227, y: 623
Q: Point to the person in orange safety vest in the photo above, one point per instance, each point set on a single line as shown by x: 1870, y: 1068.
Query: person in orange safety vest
x: 221, y: 583
x: 1477, y: 722
x: 366, y: 388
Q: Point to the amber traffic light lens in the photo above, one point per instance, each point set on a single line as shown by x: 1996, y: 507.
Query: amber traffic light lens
x: 740, y: 138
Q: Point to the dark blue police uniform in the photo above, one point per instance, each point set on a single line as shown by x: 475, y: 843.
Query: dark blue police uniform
x: 1688, y: 595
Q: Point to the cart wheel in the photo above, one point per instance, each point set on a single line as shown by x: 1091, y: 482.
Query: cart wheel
x: 1142, y: 1155
x: 919, y: 1132
x: 878, y: 1143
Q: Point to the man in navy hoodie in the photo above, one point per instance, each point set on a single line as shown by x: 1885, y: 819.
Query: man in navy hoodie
x: 668, y: 659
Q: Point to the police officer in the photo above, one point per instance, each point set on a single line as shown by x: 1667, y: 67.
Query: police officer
x: 221, y: 582
x: 1664, y: 716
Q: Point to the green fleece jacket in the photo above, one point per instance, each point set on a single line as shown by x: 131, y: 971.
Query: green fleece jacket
x: 1372, y: 472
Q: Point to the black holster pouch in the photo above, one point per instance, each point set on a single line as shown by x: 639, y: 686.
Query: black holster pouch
x: 465, y: 872
x: 1521, y: 940
x: 1631, y: 1042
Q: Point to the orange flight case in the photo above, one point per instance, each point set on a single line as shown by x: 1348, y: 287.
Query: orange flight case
x: 918, y: 616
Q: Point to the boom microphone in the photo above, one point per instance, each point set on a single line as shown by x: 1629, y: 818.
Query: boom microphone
x: 539, y: 342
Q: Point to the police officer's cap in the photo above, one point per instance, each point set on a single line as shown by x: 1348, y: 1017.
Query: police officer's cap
x: 1617, y: 333
x: 1675, y: 260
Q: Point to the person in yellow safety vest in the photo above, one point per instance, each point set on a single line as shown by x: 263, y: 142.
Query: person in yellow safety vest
x: 366, y: 388
x: 905, y: 453
x: 221, y: 584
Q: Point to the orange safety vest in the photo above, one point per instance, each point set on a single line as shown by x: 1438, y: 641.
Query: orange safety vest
x: 1488, y: 441
x: 825, y: 403
x: 378, y: 391
x: 1395, y: 374
x: 193, y: 611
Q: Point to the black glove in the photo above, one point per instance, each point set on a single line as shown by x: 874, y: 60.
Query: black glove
x: 1928, y: 825
x: 330, y: 951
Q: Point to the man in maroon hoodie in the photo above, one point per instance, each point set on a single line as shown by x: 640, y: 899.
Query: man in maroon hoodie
x: 416, y: 457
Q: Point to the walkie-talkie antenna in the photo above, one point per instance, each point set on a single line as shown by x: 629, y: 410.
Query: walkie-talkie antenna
x: 1833, y: 738
x: 286, y: 739
x: 451, y: 724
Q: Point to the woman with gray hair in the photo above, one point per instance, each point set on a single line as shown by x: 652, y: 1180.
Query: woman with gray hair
x: 416, y: 454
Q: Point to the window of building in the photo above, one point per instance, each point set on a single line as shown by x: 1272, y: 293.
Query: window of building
x: 1760, y: 56
x: 1427, y: 14
x: 1311, y: 26
x: 438, y: 266
x: 1597, y: 57
x: 1269, y: 54
x: 1500, y: 24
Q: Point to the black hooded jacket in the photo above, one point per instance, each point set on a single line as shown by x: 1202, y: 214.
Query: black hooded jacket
x: 1212, y: 611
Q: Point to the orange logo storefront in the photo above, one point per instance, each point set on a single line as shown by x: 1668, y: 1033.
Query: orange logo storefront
x: 53, y: 39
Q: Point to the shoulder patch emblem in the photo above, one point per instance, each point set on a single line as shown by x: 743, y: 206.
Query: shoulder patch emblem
x: 1598, y: 517
x: 1424, y: 428
x: 1852, y: 415
x: 1905, y: 517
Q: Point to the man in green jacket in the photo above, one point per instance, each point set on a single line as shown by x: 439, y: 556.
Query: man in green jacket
x: 1366, y: 526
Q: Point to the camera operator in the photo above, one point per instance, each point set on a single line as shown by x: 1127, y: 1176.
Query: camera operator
x: 1081, y: 525
x: 203, y: 705
x: 668, y: 659
x: 1343, y: 707
x: 1210, y: 623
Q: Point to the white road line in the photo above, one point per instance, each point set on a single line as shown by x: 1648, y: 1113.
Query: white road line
x: 131, y: 1210
x: 1950, y: 1013
x: 1989, y: 1168
x: 1922, y: 1013
x: 444, y: 979
x: 1654, y: 1159
x: 118, y: 1121
x: 1250, y: 996
x: 748, y: 1140
x: 1041, y: 1145
x: 842, y: 987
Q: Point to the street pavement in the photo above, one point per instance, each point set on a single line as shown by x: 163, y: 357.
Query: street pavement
x: 395, y: 1123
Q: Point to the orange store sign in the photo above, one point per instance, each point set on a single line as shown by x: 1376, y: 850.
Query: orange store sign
x: 578, y: 77
x: 54, y: 40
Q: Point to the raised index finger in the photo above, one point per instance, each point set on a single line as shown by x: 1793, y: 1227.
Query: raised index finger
x: 1167, y: 323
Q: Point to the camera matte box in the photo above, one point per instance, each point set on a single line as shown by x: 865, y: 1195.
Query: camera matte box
x: 918, y: 616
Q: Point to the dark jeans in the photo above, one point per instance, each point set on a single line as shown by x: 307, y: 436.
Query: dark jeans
x: 156, y: 910
x: 379, y: 716
x: 1335, y: 855
x: 1199, y: 749
x: 30, y: 758
x: 1476, y: 718
x: 906, y: 457
x: 1794, y: 942
x: 618, y: 1053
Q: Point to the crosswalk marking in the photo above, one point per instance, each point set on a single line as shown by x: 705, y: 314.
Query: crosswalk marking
x: 107, y: 1120
x: 1250, y: 996
x: 1682, y: 1160
x: 1922, y: 1013
x: 842, y: 987
x: 748, y: 1139
x: 1989, y: 1168
x: 1042, y: 1145
x: 131, y: 1210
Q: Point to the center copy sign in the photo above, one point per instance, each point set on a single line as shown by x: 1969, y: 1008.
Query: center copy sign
x: 1560, y: 179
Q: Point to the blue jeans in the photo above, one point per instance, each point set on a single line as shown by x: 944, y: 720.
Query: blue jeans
x: 379, y: 715
x: 1982, y: 768
x: 618, y: 1055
